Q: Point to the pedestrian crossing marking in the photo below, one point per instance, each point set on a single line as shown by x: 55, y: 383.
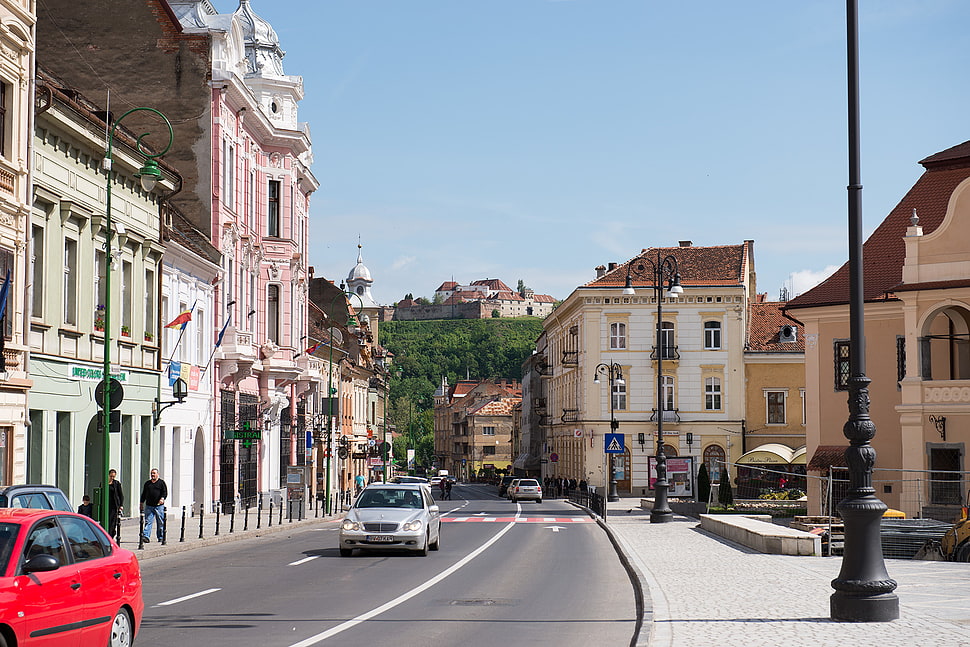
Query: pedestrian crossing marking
x: 517, y: 519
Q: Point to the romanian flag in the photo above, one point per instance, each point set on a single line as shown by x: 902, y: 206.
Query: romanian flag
x: 182, y: 320
x: 312, y: 349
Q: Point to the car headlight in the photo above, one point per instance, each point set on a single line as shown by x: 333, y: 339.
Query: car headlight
x: 411, y: 526
x: 350, y: 524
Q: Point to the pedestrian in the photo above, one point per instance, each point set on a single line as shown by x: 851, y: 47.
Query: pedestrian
x: 441, y: 486
x: 116, y: 501
x: 153, y: 495
x: 582, y: 486
x: 359, y: 482
x: 86, y: 508
x: 447, y: 489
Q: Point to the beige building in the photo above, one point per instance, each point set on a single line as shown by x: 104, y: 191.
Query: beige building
x: 474, y: 424
x: 701, y: 355
x: 16, y: 102
x: 917, y: 332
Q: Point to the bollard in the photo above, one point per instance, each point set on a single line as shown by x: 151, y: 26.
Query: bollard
x: 201, y: 513
x: 218, y: 517
x: 141, y: 531
x: 280, y: 522
x: 232, y: 519
x: 270, y: 513
x: 246, y: 520
x: 164, y: 522
x: 182, y: 533
x: 289, y: 511
x: 259, y: 511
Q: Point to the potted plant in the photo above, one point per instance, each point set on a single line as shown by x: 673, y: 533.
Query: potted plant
x: 149, y: 336
x: 99, y: 317
x: 125, y: 331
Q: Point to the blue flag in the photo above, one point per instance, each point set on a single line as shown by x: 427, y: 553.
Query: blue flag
x: 4, y: 291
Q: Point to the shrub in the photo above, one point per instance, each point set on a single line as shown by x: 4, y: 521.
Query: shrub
x: 724, y: 494
x: 703, y: 484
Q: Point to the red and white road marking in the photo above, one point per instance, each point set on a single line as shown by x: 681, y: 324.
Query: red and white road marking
x: 518, y: 519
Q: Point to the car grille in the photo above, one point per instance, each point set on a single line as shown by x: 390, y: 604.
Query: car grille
x: 380, y: 527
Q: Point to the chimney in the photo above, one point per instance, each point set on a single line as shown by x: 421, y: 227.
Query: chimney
x: 611, y: 267
x: 686, y: 243
x: 600, y: 271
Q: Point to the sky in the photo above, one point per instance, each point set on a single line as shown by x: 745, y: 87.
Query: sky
x: 536, y: 139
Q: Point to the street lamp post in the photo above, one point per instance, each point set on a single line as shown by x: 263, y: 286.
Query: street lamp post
x: 330, y: 388
x: 863, y: 589
x: 149, y: 174
x: 615, y: 374
x: 665, y: 271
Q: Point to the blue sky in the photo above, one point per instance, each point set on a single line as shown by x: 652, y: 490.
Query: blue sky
x: 537, y: 139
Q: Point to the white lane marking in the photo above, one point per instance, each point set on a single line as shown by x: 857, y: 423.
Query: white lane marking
x: 304, y: 560
x: 404, y: 597
x: 556, y: 528
x: 187, y: 597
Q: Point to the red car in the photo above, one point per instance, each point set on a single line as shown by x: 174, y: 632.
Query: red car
x: 65, y: 583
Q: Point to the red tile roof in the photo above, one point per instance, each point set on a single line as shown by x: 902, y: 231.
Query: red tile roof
x: 765, y: 322
x: 698, y: 266
x: 505, y: 295
x: 446, y: 286
x: 493, y: 284
x: 884, y: 252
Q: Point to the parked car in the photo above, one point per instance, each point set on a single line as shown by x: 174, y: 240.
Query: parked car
x: 503, y: 486
x: 43, y: 497
x: 397, y: 515
x: 45, y: 557
x: 525, y: 490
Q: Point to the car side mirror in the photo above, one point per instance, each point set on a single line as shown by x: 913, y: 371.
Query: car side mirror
x: 42, y: 564
x: 435, y: 509
x: 345, y: 507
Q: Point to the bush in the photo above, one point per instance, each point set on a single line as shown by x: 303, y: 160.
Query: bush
x: 724, y: 494
x: 703, y: 484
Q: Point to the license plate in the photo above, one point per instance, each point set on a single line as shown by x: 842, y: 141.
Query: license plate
x: 380, y: 538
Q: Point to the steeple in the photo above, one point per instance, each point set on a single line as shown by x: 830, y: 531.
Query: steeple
x: 359, y: 280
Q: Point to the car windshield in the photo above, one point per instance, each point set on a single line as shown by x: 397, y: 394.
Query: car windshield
x: 388, y: 498
x: 8, y: 535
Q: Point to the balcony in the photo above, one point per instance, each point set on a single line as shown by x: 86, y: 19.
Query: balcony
x: 570, y: 358
x: 670, y: 415
x: 666, y: 353
x: 570, y: 415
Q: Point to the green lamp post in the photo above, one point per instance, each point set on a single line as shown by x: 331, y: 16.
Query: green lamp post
x: 149, y: 175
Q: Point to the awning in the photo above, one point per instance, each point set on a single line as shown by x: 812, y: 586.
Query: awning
x: 826, y: 456
x: 768, y: 454
x: 798, y: 458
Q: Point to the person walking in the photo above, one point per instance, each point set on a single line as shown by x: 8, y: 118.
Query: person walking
x: 116, y: 501
x: 153, y: 495
x: 447, y: 489
x: 359, y: 482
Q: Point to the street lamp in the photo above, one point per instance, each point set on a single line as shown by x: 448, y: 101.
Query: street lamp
x: 665, y: 271
x: 351, y: 320
x: 149, y: 174
x: 863, y: 589
x: 616, y: 380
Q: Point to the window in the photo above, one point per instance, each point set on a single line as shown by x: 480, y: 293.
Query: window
x: 126, y: 297
x: 776, y: 407
x: 251, y: 203
x: 712, y: 335
x: 488, y: 431
x: 667, y: 348
x: 617, y: 336
x: 70, y: 282
x: 45, y: 539
x: 712, y: 393
x: 150, y: 308
x: 86, y: 542
x: 619, y: 396
x: 488, y: 450
x: 37, y: 271
x: 273, y: 313
x: 667, y: 392
x: 6, y: 265
x: 842, y: 365
x: 714, y: 459
x: 229, y: 176
x: 3, y: 119
x: 900, y: 358
x: 273, y: 209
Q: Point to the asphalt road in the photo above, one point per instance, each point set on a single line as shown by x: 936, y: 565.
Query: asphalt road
x: 507, y: 574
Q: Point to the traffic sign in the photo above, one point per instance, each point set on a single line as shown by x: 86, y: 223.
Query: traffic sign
x: 614, y: 443
x: 116, y: 394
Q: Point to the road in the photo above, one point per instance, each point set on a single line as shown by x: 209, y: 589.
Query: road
x: 507, y: 574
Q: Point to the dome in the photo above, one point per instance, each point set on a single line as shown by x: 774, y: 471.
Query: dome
x: 359, y: 271
x: 263, y: 52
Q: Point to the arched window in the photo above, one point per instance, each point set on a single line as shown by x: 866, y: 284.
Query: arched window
x: 617, y: 336
x: 714, y: 459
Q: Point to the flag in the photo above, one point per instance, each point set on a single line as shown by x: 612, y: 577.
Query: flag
x: 182, y: 320
x: 222, y: 333
x: 3, y: 295
x: 312, y: 349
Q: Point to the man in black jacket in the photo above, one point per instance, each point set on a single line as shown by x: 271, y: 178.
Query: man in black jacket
x: 116, y: 500
x: 153, y: 495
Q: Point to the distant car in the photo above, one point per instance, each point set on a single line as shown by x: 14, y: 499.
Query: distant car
x: 63, y: 581
x: 42, y: 497
x: 436, y: 481
x: 401, y: 515
x: 451, y: 479
x: 525, y: 490
x: 503, y: 486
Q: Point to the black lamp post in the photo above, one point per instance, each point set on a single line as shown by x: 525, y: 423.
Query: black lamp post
x: 615, y: 374
x: 664, y: 272
x: 863, y: 589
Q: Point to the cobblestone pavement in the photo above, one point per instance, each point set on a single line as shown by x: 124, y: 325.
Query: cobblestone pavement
x: 701, y: 590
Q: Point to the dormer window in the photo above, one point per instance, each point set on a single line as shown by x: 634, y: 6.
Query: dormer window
x: 787, y: 334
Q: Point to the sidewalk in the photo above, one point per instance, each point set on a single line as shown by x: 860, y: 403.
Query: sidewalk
x: 700, y: 589
x: 228, y: 529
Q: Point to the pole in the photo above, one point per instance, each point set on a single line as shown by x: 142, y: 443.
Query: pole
x: 661, y: 511
x: 863, y: 589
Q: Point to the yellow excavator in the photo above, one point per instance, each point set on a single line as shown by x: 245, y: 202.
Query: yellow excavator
x: 955, y: 544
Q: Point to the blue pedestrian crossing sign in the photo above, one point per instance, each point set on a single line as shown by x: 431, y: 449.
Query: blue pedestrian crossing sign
x: 614, y: 443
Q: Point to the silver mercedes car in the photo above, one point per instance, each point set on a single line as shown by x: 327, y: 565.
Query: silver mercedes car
x: 392, y: 515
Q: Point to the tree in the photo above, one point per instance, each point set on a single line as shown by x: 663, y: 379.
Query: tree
x: 724, y: 494
x: 496, y: 314
x: 703, y: 484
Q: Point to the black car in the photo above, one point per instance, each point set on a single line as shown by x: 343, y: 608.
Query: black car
x: 503, y: 486
x: 44, y: 497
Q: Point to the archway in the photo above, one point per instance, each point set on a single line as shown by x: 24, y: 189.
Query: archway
x: 945, y: 344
